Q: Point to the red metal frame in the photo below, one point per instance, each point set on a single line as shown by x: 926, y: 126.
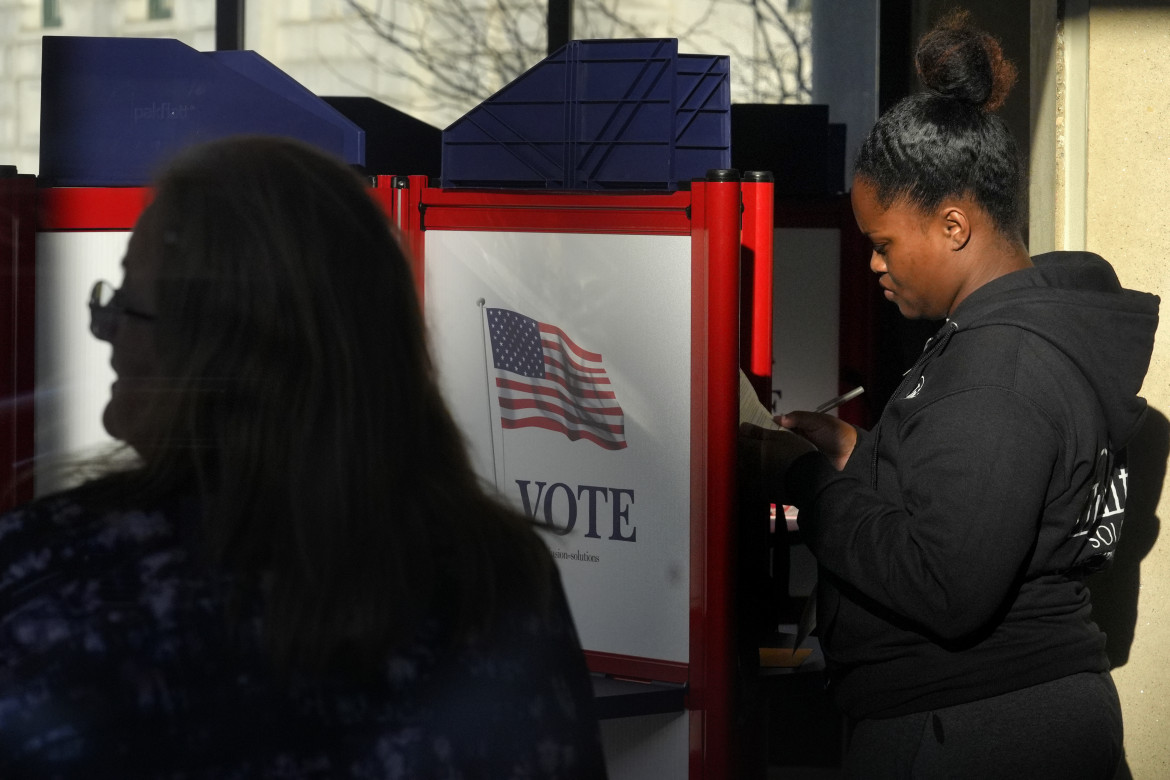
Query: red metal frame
x: 756, y: 287
x: 716, y: 212
x: 90, y: 208
x: 17, y: 274
x: 401, y: 197
x: 422, y: 207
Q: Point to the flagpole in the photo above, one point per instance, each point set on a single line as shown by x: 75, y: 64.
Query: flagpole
x: 487, y: 374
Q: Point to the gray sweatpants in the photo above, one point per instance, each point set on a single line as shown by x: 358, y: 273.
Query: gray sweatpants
x: 1067, y: 729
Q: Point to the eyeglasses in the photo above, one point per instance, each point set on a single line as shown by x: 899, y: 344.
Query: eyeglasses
x: 104, y: 310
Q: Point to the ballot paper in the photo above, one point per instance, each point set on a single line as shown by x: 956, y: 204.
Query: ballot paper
x: 752, y: 411
x: 750, y: 408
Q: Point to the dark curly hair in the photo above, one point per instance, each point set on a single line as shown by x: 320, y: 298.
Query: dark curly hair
x: 946, y: 141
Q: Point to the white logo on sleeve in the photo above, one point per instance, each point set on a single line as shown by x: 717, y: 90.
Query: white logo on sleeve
x: 1104, y: 509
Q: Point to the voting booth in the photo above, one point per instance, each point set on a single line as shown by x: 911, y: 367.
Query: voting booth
x: 591, y: 290
x: 589, y: 346
x: 588, y: 339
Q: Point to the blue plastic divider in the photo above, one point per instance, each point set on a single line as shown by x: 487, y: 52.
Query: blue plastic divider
x: 114, y: 109
x: 598, y: 115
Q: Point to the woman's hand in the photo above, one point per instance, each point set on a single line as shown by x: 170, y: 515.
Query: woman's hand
x: 831, y: 435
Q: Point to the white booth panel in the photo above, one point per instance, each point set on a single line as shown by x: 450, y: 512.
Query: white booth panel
x: 618, y: 518
x: 73, y: 374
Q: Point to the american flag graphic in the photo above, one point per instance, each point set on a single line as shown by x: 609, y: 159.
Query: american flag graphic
x: 544, y: 380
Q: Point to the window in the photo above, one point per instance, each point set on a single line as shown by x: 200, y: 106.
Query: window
x: 159, y: 9
x: 51, y: 13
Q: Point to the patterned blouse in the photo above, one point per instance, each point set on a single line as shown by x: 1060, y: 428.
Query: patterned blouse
x: 116, y: 660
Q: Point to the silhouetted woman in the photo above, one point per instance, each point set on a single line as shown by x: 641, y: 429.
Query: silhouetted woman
x: 303, y: 577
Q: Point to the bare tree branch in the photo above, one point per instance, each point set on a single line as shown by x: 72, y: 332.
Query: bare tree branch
x: 459, y: 52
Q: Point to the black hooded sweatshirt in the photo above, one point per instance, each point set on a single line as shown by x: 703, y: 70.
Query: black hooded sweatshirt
x: 953, y: 547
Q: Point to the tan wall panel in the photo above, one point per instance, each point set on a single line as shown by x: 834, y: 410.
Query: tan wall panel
x: 1128, y: 185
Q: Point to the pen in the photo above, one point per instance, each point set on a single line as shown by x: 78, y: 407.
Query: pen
x: 833, y: 403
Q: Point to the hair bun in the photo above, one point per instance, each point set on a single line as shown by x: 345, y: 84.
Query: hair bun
x: 962, y: 62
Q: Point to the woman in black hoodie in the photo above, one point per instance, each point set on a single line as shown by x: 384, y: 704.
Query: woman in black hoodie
x: 954, y: 539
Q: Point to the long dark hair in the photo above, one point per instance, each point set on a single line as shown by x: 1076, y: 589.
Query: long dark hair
x: 304, y: 412
x: 946, y: 141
